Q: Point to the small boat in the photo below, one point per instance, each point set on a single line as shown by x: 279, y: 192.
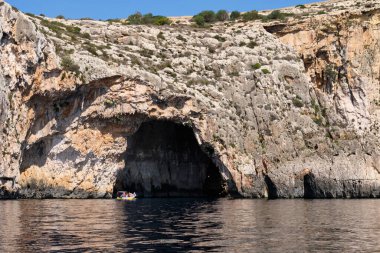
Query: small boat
x: 122, y: 195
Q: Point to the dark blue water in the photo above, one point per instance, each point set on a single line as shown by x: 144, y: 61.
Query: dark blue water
x: 190, y: 225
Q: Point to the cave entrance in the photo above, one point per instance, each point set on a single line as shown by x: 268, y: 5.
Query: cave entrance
x: 163, y: 159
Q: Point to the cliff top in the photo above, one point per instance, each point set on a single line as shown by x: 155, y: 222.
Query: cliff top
x: 111, y: 44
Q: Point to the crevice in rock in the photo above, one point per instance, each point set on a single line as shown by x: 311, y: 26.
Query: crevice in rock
x: 6, y: 194
x: 311, y: 188
x: 271, y: 188
x: 164, y: 159
x: 5, y: 39
x: 276, y: 29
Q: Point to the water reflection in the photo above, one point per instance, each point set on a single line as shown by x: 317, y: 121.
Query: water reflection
x: 190, y: 225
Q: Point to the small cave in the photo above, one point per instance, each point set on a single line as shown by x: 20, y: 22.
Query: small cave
x: 164, y: 159
x: 271, y: 188
x: 276, y: 29
x: 36, y: 154
x: 311, y: 187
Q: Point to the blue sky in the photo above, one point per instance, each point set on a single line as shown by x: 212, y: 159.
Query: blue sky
x: 105, y: 9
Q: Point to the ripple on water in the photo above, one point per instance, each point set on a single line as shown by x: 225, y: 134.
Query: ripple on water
x: 190, y: 225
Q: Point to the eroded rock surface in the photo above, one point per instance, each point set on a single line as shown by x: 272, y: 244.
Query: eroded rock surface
x: 291, y: 110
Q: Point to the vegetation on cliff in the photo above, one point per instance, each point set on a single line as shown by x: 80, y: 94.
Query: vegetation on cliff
x: 208, y: 17
x: 147, y: 19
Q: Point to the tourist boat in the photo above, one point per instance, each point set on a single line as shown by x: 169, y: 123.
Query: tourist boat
x: 122, y: 195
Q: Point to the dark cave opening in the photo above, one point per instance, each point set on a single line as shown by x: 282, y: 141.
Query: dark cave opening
x: 164, y: 159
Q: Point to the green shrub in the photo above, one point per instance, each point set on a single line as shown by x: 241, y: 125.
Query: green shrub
x: 113, y: 20
x: 233, y: 73
x: 147, y: 18
x: 135, y: 19
x: 139, y: 19
x: 165, y: 64
x: 321, y: 12
x: 235, y: 15
x: 146, y: 53
x: 60, y: 17
x: 199, y: 20
x: 86, y: 36
x: 180, y: 37
x: 59, y: 28
x: 160, y: 36
x: 297, y: 102
x: 256, y: 66
x: 318, y: 120
x: 277, y: 15
x: 156, y: 20
x: 265, y: 71
x: 161, y: 20
x: 73, y: 29
x: 251, y: 15
x: 54, y: 26
x: 109, y: 103
x: 204, y: 17
x: 69, y: 65
x: 135, y: 60
x: 209, y: 16
x: 301, y: 6
x: 331, y: 73
x: 219, y: 38
x: 198, y: 80
x: 252, y: 44
x: 30, y: 14
x: 222, y: 15
x: 211, y: 50
x: 91, y: 48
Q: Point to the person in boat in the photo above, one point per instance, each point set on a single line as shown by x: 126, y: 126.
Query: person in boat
x: 125, y: 195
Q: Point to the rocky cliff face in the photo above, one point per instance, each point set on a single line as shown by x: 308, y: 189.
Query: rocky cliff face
x: 281, y: 109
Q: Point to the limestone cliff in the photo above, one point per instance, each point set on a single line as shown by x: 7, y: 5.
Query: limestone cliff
x: 280, y: 109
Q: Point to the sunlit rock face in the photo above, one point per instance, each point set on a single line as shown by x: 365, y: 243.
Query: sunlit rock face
x: 163, y: 159
x: 291, y: 110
